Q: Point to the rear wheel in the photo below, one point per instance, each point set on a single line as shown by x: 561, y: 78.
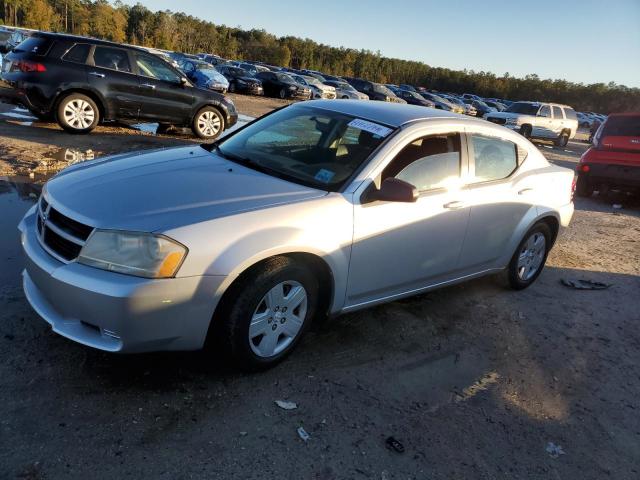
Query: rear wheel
x: 267, y: 312
x: 562, y: 140
x: 208, y: 123
x: 77, y: 113
x: 583, y: 188
x: 529, y: 259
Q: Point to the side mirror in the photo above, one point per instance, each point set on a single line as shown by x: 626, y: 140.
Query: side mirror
x: 392, y: 190
x: 183, y: 81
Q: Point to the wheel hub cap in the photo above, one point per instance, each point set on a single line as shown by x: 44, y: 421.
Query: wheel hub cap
x: 278, y: 318
x: 209, y: 124
x: 79, y: 114
x: 531, y: 256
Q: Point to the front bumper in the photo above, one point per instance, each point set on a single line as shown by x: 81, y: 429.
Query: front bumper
x: 115, y: 312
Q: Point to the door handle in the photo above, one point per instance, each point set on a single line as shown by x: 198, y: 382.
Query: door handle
x: 525, y: 190
x: 454, y: 205
x: 96, y: 74
x: 148, y: 85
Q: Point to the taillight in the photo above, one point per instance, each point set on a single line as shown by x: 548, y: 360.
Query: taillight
x: 27, y: 66
x: 584, y: 168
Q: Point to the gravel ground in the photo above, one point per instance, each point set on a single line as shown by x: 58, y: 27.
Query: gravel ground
x: 474, y: 380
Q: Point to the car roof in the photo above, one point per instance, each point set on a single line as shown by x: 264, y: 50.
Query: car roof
x: 389, y: 113
x: 83, y: 39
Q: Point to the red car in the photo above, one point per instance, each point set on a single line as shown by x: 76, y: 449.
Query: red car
x: 614, y: 159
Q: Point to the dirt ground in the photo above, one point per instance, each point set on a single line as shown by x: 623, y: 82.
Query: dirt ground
x: 476, y: 381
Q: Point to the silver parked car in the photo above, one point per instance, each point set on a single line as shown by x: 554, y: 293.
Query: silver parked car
x: 319, y: 208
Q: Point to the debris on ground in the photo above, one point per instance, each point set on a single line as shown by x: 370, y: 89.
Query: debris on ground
x: 395, y: 445
x: 302, y: 433
x: 580, y: 284
x: 554, y: 450
x: 286, y: 405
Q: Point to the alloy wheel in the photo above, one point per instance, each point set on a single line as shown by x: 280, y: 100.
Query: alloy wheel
x: 209, y: 123
x: 278, y: 318
x: 79, y: 114
x: 531, y: 256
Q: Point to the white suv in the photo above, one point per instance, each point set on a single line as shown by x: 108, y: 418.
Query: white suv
x: 539, y: 120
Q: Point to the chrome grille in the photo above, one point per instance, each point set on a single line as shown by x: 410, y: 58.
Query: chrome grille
x: 60, y: 235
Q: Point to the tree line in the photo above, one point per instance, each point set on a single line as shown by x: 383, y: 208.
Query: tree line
x: 180, y: 32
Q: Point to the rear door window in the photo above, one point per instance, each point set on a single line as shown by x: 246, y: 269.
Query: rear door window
x: 557, y: 113
x: 77, y: 54
x: 112, y: 58
x: 494, y: 158
x: 36, y: 45
x: 570, y: 114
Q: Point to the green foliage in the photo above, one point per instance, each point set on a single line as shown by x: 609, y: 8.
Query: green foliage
x: 178, y: 31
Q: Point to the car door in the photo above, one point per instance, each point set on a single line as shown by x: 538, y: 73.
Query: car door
x: 500, y: 198
x: 267, y: 79
x: 403, y: 247
x: 164, y: 97
x: 558, y: 123
x: 109, y: 71
x: 544, y: 123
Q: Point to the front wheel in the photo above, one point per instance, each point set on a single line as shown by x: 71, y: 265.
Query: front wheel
x: 529, y: 259
x: 77, y: 113
x: 232, y: 87
x: 267, y: 312
x: 562, y: 140
x: 525, y: 131
x: 283, y: 93
x: 208, y: 123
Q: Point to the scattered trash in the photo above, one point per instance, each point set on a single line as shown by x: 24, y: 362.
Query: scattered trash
x: 302, y: 433
x: 554, y: 450
x: 286, y: 405
x: 616, y: 206
x: 395, y: 445
x: 585, y: 284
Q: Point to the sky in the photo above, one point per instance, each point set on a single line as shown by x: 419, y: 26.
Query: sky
x: 585, y: 41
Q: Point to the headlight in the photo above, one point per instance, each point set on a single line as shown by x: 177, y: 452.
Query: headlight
x: 133, y: 253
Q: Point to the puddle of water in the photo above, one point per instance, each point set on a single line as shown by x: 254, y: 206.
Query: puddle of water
x: 17, y: 195
x: 19, y: 116
x: 153, y: 127
x: 146, y: 127
x: 437, y: 381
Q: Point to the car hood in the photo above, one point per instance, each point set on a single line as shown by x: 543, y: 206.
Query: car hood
x: 250, y: 80
x: 162, y: 189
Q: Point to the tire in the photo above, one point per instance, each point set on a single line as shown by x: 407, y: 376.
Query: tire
x: 259, y: 344
x: 232, y: 87
x: 344, y: 97
x: 562, y: 140
x: 77, y: 113
x: 583, y: 188
x: 525, y: 131
x: 208, y: 123
x: 529, y: 258
x: 283, y: 93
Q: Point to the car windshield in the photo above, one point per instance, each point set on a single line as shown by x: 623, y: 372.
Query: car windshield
x: 524, y: 108
x: 342, y: 85
x: 623, y: 126
x: 306, y: 145
x: 382, y: 89
x: 4, y: 36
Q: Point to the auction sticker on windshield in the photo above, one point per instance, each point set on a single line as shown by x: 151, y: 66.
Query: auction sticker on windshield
x: 370, y: 127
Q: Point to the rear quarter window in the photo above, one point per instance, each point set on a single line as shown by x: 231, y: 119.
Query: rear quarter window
x: 35, y: 45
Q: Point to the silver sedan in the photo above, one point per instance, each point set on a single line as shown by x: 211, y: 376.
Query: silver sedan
x: 317, y: 209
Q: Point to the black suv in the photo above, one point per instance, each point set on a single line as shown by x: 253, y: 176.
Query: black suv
x: 376, y: 91
x: 81, y: 82
x: 277, y: 84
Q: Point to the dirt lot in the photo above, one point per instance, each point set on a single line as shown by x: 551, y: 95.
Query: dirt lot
x: 474, y: 380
